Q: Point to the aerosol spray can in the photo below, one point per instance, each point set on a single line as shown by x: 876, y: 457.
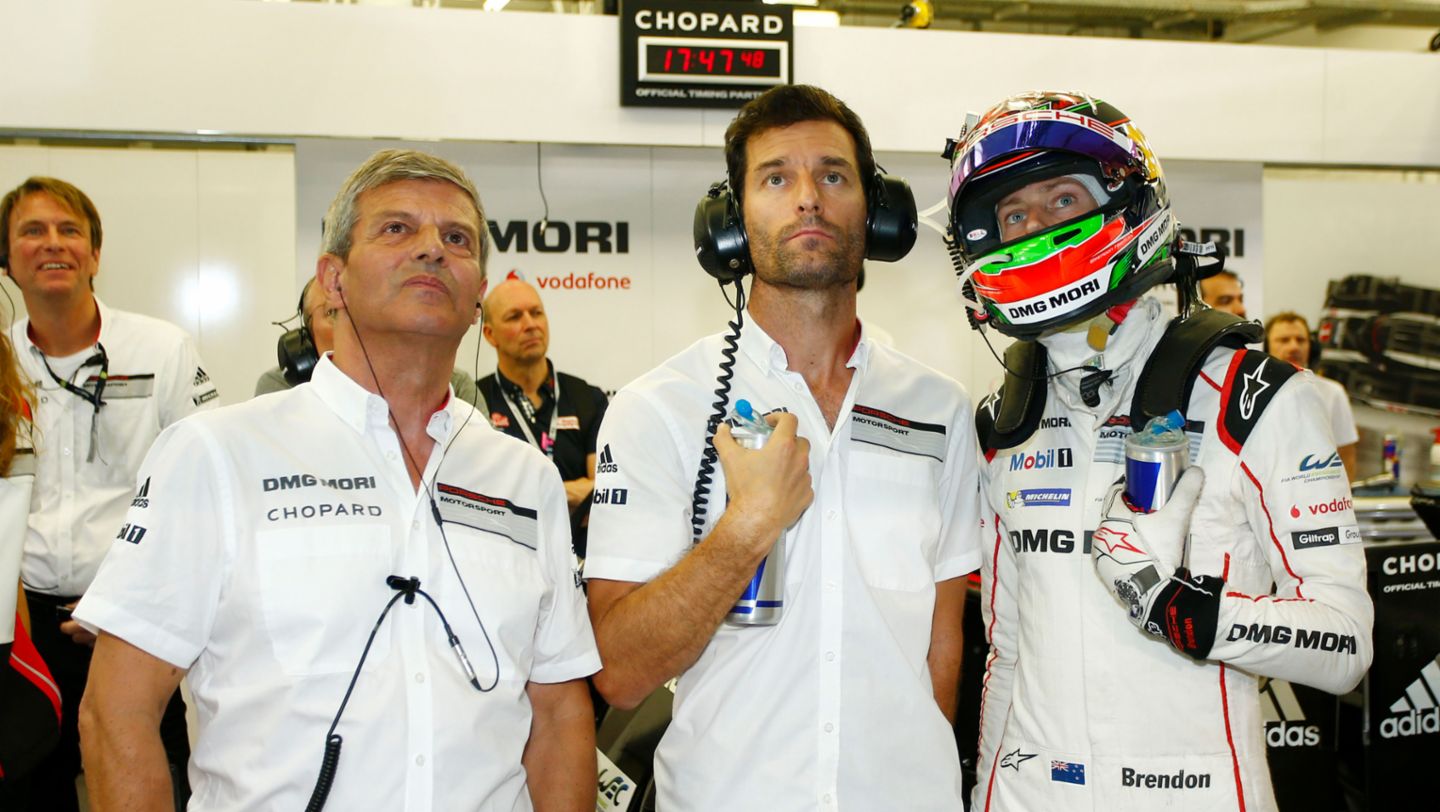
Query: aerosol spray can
x: 763, y: 600
x: 1154, y: 459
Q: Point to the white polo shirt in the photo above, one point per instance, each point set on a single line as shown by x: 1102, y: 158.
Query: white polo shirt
x: 256, y: 554
x: 832, y: 708
x: 155, y: 378
x: 1337, y: 409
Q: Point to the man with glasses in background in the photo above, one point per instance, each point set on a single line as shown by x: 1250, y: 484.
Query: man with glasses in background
x: 104, y: 382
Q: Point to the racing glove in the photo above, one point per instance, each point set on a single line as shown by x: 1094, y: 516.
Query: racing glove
x: 1138, y: 555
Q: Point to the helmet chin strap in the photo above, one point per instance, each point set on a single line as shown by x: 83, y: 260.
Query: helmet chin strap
x: 1097, y: 329
x: 970, y: 270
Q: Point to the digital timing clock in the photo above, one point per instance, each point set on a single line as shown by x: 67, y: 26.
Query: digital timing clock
x: 708, y: 54
x: 715, y: 60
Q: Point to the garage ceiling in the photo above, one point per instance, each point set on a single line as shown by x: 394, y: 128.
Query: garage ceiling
x: 1209, y: 20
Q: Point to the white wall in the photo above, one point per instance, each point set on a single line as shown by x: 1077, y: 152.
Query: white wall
x: 1323, y: 224
x: 196, y: 66
x: 611, y: 336
x: 1414, y: 39
x: 200, y: 238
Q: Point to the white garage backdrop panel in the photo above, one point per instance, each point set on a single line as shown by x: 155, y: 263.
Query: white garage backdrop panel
x: 613, y: 334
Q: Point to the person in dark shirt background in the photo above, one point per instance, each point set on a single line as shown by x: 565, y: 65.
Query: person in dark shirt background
x: 521, y: 397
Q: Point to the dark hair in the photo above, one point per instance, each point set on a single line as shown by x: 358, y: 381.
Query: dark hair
x: 67, y: 194
x: 781, y: 107
x: 1284, y: 316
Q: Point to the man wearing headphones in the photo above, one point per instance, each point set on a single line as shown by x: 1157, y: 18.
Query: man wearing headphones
x: 300, y: 349
x: 1125, y: 644
x: 527, y: 398
x: 361, y: 559
x: 869, y: 476
x: 1287, y: 337
x: 105, y: 382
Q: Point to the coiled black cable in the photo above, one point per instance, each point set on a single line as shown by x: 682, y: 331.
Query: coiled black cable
x: 705, y: 477
x: 331, y: 761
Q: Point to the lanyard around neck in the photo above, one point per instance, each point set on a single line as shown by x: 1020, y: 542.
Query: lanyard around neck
x: 96, y: 399
x: 547, y: 439
x: 100, y: 359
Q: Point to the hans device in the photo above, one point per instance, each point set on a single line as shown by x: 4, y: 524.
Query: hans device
x: 724, y: 251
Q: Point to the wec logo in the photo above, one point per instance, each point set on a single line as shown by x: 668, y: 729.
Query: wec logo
x: 1313, y: 463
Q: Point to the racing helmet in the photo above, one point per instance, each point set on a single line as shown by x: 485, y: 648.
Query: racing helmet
x: 1072, y: 271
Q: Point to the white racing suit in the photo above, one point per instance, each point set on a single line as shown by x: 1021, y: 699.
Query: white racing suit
x: 1080, y: 709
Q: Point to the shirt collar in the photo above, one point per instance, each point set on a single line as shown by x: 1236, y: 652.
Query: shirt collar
x: 860, y: 358
x: 107, y: 329
x: 363, y: 410
x: 760, y: 348
x: 767, y: 353
x: 1124, y: 355
x: 107, y: 324
x: 513, y: 389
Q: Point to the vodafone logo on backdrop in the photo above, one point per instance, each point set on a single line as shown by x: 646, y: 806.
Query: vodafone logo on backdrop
x: 586, y: 281
x: 561, y: 237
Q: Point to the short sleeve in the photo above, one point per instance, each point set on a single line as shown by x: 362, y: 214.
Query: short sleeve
x: 159, y: 585
x: 564, y: 643
x: 1342, y: 418
x: 599, y: 403
x: 189, y: 388
x: 640, y: 511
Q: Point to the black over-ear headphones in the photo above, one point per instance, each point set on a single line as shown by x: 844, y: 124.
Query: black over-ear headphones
x: 724, y: 251
x: 296, y: 348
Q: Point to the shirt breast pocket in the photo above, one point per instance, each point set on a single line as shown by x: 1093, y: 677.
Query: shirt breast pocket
x: 504, y: 580
x: 320, y: 590
x: 893, y: 508
x: 127, y: 426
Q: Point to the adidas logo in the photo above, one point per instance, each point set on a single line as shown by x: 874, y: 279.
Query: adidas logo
x: 201, y: 376
x: 606, y: 463
x: 142, y: 496
x: 1284, y: 718
x: 1417, y: 712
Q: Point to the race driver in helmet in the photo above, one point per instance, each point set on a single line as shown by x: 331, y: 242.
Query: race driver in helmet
x: 1125, y: 647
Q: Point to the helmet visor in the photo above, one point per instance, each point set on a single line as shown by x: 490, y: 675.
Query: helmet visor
x: 1041, y: 131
